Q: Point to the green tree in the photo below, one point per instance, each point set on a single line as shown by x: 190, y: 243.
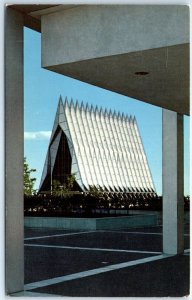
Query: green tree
x: 70, y: 181
x: 64, y: 190
x: 28, y: 180
x: 95, y: 191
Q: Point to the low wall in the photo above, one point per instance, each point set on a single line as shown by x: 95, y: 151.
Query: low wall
x: 92, y: 223
x: 126, y: 222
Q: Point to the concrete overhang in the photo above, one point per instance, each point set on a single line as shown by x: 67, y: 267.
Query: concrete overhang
x: 157, y: 76
x: 141, y: 51
x: 32, y: 13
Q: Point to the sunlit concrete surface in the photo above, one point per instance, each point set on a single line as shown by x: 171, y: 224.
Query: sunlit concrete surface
x: 173, y: 182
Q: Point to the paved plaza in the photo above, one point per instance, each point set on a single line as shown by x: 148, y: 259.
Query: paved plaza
x: 125, y: 263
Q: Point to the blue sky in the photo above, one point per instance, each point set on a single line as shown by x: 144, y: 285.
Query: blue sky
x: 42, y: 89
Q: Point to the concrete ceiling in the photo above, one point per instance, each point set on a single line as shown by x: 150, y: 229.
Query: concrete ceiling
x: 165, y: 81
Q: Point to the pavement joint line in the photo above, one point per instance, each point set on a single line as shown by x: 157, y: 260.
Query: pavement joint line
x: 79, y: 275
x: 57, y: 235
x: 33, y: 294
x: 139, y: 232
x: 94, y: 231
x: 92, y: 249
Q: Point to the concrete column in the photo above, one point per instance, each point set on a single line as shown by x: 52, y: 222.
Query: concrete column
x: 173, y: 183
x: 14, y: 255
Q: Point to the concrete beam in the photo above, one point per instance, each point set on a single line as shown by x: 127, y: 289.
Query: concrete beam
x: 173, y: 183
x: 14, y: 151
x: 95, y: 31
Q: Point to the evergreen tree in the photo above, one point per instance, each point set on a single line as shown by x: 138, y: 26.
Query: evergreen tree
x: 28, y: 181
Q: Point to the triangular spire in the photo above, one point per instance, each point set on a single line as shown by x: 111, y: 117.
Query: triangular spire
x: 105, y: 113
x: 76, y: 105
x: 92, y: 109
x: 59, y: 112
x: 66, y: 104
x: 60, y: 105
x: 82, y: 106
x: 60, y: 99
x: 87, y: 107
x: 72, y: 104
x: 114, y: 114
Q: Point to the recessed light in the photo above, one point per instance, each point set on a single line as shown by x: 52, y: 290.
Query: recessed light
x: 141, y: 73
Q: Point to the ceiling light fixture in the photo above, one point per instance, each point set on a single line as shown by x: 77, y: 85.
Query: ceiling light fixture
x: 141, y: 73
